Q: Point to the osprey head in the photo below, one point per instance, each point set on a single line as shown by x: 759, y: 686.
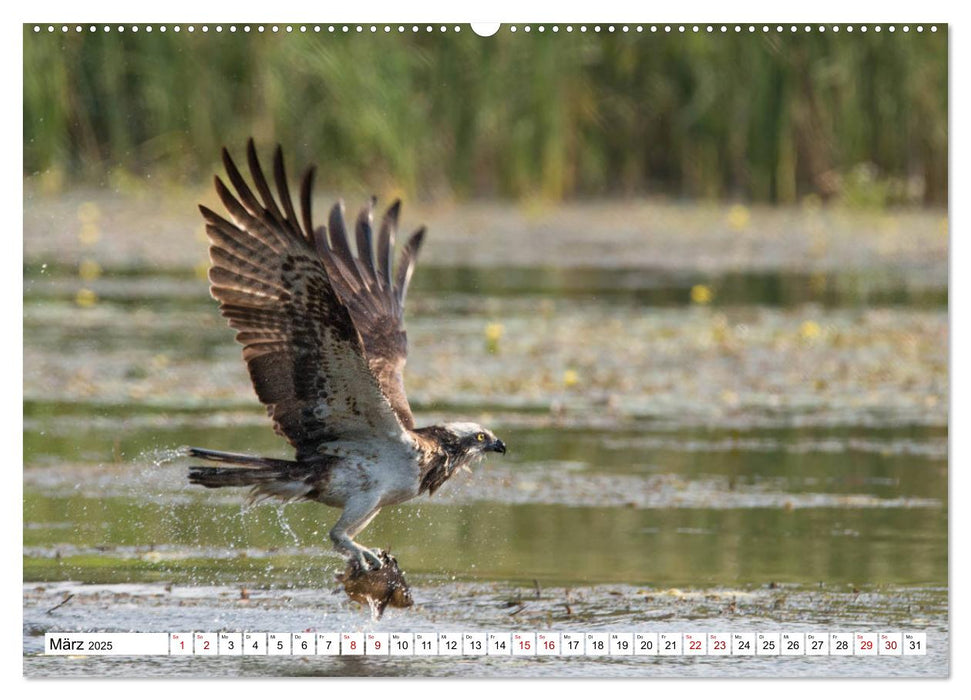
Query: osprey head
x: 454, y: 446
x: 474, y: 439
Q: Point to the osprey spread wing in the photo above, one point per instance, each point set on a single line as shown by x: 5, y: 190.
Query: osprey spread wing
x: 322, y: 329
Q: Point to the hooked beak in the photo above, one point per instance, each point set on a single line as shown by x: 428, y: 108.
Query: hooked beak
x: 498, y: 446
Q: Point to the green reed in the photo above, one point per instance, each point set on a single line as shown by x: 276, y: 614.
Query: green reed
x: 773, y: 118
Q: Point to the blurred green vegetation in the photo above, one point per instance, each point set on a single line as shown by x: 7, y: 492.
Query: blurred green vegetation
x: 861, y: 118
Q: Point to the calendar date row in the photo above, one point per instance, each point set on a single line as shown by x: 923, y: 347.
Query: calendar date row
x: 531, y: 643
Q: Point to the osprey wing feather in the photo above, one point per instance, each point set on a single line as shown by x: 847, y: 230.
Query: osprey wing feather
x: 322, y: 330
x: 374, y: 299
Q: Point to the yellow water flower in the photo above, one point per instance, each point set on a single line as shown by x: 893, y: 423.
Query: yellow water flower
x: 89, y: 234
x: 89, y: 270
x: 493, y: 333
x: 85, y: 298
x: 738, y: 217
x: 810, y: 330
x: 701, y: 294
x: 571, y: 378
x: 88, y: 212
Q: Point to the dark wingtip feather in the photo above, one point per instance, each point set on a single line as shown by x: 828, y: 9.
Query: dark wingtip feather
x: 211, y: 218
x: 336, y: 217
x: 389, y: 225
x: 319, y: 237
x: 306, y: 190
x: 364, y: 233
x: 280, y: 176
x: 221, y: 190
x: 246, y: 196
x: 339, y: 244
x: 227, y: 159
x: 406, y: 265
x: 259, y: 179
x: 226, y: 195
x: 253, y: 158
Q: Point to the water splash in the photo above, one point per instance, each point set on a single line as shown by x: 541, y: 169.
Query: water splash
x: 161, y: 456
x: 285, y: 524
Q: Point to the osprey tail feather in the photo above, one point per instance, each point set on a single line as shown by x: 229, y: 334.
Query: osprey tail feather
x: 269, y: 477
x: 217, y: 477
x: 251, y: 461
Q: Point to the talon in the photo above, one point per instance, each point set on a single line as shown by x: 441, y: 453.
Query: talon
x: 375, y: 557
x: 372, y: 559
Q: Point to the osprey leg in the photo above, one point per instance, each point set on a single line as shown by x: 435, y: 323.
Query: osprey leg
x: 358, y: 512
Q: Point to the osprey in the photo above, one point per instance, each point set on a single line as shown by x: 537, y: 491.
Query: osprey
x: 322, y: 329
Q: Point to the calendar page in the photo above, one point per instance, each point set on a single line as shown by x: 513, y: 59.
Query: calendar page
x: 594, y: 349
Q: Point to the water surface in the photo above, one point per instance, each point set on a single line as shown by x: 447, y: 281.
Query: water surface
x: 769, y: 454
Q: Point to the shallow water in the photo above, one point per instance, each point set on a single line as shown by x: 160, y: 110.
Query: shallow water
x: 773, y: 458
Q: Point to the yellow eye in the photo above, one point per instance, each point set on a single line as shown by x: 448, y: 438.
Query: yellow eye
x: 480, y: 437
